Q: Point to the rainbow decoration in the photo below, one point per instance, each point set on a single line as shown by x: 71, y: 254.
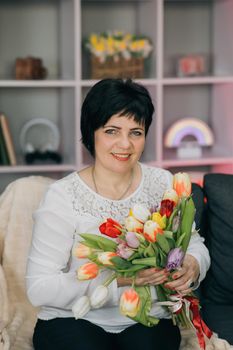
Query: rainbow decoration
x: 188, y: 127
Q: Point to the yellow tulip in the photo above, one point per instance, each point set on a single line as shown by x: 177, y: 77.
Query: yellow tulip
x: 161, y: 220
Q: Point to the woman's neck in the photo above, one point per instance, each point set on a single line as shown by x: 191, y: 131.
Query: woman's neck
x: 114, y: 185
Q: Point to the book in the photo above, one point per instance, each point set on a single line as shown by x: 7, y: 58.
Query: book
x: 8, y: 139
x: 4, y: 159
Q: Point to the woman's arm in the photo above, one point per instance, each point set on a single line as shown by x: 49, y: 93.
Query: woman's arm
x: 48, y: 283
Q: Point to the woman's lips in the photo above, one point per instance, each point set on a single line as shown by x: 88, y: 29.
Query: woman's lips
x: 120, y: 156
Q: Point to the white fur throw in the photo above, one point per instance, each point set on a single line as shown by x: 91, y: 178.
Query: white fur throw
x: 17, y: 315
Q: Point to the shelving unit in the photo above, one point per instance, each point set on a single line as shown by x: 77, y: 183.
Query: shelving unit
x: 54, y: 29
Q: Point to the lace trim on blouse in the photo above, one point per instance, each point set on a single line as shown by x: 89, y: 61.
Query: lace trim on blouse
x: 86, y: 202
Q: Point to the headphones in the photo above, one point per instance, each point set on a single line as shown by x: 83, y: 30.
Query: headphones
x: 34, y: 148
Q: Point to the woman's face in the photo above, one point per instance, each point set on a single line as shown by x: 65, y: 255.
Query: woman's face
x: 119, y: 144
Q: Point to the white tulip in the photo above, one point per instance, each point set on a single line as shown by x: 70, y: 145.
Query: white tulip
x: 99, y: 297
x: 81, y: 307
x: 140, y: 213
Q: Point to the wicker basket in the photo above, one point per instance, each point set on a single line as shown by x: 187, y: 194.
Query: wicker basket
x: 132, y: 68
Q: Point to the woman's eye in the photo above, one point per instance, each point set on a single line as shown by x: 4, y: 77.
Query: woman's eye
x: 111, y: 131
x: 137, y: 133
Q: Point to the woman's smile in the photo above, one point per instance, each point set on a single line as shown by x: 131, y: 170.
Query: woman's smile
x: 121, y: 156
x: 119, y: 144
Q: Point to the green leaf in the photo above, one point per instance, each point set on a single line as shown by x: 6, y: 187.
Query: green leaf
x: 161, y: 293
x: 120, y: 263
x: 99, y: 242
x: 149, y: 251
x: 143, y: 315
x: 151, y: 261
x: 170, y: 220
x: 172, y: 243
x: 168, y: 234
x: 162, y: 242
x: 187, y: 222
x: 179, y: 241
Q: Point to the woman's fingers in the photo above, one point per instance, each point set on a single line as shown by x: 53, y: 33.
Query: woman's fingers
x: 183, y: 278
x: 151, y: 276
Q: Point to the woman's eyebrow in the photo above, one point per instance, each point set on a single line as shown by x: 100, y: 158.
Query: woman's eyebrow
x: 118, y: 127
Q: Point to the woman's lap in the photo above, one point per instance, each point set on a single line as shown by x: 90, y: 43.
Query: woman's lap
x: 71, y: 334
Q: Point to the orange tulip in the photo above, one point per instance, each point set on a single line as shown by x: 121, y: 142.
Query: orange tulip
x: 151, y: 229
x: 182, y: 184
x: 87, y: 271
x: 129, y: 303
x: 105, y: 258
x: 81, y: 251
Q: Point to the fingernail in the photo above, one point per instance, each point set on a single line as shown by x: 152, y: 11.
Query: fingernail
x: 174, y: 276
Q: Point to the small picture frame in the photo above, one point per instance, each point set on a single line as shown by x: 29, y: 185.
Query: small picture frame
x: 192, y: 65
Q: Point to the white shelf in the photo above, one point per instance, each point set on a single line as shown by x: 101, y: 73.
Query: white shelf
x: 37, y: 84
x: 31, y: 169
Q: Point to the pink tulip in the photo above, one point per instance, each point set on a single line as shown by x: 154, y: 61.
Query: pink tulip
x: 124, y: 251
x: 132, y: 240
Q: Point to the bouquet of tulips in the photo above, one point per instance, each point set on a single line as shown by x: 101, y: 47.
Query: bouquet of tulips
x: 146, y: 238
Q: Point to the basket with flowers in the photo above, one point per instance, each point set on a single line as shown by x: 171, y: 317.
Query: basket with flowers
x: 117, y: 54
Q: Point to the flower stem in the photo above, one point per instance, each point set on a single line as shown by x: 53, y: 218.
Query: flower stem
x: 112, y: 278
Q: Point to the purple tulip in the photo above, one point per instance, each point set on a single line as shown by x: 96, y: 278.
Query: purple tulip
x: 132, y: 240
x: 175, y: 259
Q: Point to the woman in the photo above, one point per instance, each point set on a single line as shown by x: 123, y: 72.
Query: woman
x: 115, y: 119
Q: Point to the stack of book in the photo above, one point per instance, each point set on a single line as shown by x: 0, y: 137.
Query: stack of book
x: 7, y: 151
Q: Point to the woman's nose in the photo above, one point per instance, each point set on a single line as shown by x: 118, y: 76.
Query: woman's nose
x: 124, y: 141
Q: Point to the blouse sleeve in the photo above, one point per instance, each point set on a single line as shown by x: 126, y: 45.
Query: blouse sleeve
x: 199, y: 251
x: 48, y: 283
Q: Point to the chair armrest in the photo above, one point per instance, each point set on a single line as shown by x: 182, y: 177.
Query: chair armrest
x: 3, y: 298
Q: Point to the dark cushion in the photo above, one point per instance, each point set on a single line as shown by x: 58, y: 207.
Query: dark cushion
x: 219, y: 319
x: 198, y: 198
x: 218, y: 285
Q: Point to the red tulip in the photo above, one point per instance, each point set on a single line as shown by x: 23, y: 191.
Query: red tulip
x: 110, y: 228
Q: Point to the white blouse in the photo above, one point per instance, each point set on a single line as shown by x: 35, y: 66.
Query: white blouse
x: 69, y: 208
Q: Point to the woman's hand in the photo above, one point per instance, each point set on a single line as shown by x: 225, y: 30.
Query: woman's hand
x: 188, y: 274
x: 147, y: 277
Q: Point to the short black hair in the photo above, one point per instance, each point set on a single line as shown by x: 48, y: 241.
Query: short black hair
x: 113, y: 96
